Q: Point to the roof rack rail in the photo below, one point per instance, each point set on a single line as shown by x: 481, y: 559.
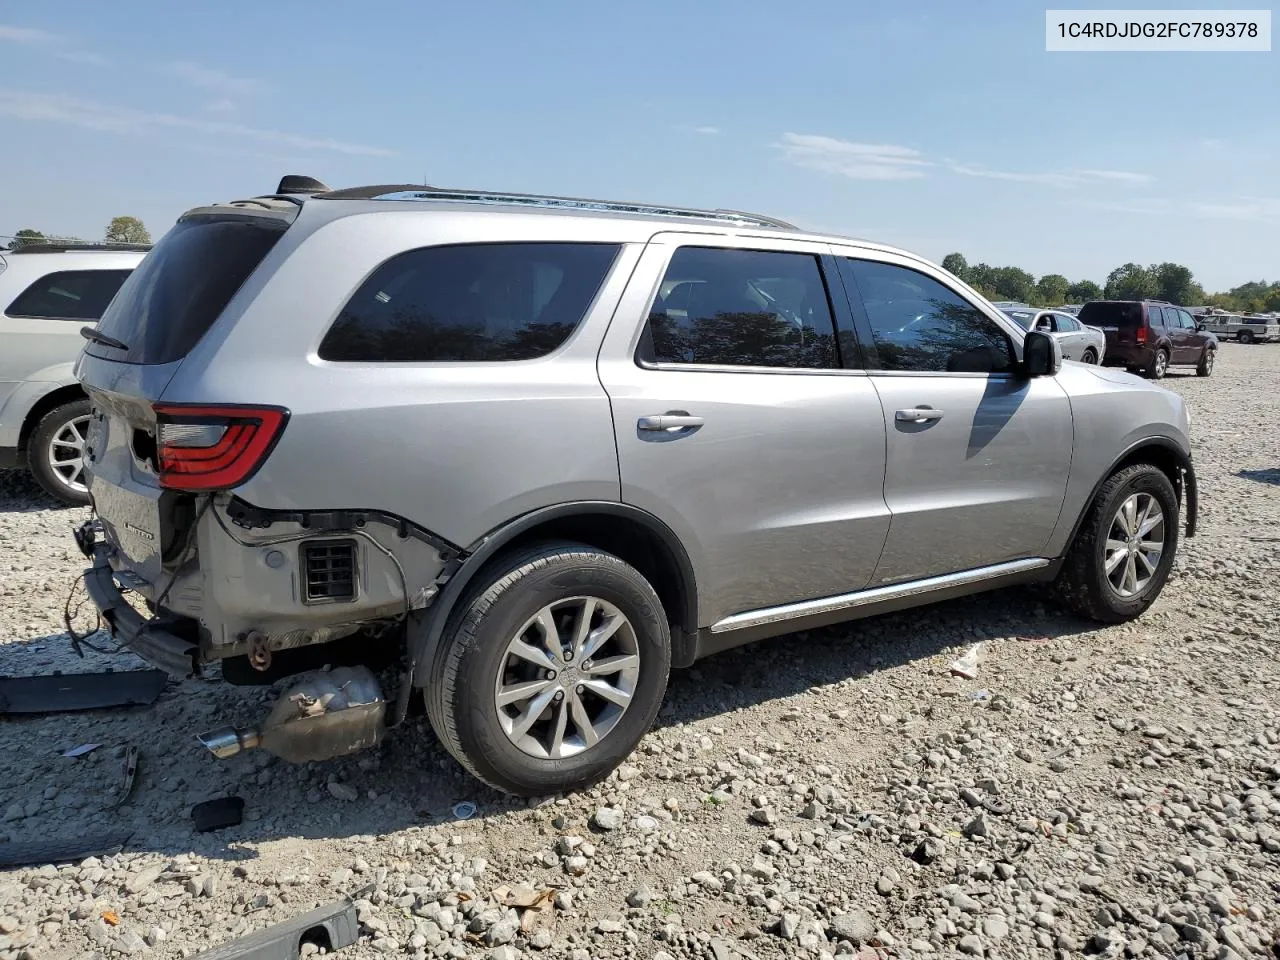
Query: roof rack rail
x: 501, y: 198
x: 61, y: 246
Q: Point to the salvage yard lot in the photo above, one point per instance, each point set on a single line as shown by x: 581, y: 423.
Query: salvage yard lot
x: 1091, y: 790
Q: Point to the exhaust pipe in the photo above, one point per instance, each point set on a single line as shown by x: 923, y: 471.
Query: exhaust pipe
x: 229, y: 742
x: 329, y: 715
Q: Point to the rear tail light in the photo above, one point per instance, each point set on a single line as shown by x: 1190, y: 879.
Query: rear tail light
x: 202, y: 448
x: 1140, y: 336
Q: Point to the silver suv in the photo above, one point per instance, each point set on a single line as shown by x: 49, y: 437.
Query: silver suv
x: 545, y: 449
x: 48, y: 292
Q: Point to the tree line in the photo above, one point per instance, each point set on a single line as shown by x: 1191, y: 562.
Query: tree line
x: 1132, y: 281
x: 119, y: 230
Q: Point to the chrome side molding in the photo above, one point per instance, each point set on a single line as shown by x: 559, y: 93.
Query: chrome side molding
x: 894, y: 591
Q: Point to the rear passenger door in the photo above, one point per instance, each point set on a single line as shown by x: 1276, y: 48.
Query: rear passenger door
x: 737, y: 424
x: 977, y: 454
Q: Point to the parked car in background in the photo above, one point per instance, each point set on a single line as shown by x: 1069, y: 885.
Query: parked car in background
x: 1149, y: 336
x: 1077, y: 340
x: 1242, y: 329
x: 1071, y: 308
x: 621, y: 441
x: 48, y: 292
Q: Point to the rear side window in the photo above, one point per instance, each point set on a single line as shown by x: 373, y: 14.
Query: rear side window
x: 1155, y: 316
x: 741, y: 308
x: 181, y: 287
x: 470, y: 303
x: 69, y: 295
x: 1110, y: 315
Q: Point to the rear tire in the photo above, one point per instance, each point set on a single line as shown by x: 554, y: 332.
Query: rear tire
x: 55, y: 452
x: 1114, y: 572
x: 1159, y: 365
x: 1244, y: 336
x: 1205, y: 367
x: 533, y: 723
x: 1090, y: 356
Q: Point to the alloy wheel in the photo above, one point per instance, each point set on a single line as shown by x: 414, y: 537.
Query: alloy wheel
x: 65, y: 454
x: 567, y: 677
x: 1162, y: 364
x: 1135, y: 544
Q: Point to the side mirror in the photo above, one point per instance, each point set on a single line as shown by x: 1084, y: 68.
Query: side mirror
x: 1200, y: 325
x: 1041, y: 355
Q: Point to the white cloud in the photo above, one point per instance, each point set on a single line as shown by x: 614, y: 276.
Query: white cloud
x: 215, y: 81
x: 29, y: 36
x: 221, y: 105
x: 1256, y: 209
x: 707, y: 131
x: 858, y: 161
x: 1051, y: 178
x: 89, y: 115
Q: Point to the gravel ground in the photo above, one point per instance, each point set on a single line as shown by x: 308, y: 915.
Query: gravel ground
x: 1111, y: 792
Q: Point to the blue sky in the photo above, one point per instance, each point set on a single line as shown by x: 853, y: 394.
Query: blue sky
x: 933, y: 126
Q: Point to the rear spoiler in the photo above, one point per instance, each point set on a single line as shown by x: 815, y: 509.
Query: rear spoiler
x: 273, y: 207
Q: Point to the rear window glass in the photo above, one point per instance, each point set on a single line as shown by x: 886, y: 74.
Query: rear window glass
x: 1112, y: 316
x: 181, y: 287
x: 470, y: 303
x: 69, y: 295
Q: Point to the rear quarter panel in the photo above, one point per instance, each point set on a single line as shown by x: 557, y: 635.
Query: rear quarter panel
x: 1112, y: 412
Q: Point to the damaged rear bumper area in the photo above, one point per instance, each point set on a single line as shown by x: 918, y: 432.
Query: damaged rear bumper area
x: 165, y: 642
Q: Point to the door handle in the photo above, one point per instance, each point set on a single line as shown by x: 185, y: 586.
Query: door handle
x: 917, y: 415
x: 669, y: 421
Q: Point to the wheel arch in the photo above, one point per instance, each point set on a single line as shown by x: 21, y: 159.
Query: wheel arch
x: 1162, y: 453
x: 632, y: 534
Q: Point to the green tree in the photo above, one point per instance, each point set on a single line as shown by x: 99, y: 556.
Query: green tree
x: 1082, y: 291
x: 1130, y: 282
x: 983, y: 277
x: 26, y: 238
x: 1051, y: 289
x: 1014, y: 283
x: 127, y: 230
x: 1175, y: 284
x: 956, y: 264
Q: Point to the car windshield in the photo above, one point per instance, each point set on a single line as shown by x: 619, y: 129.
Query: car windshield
x: 1021, y: 317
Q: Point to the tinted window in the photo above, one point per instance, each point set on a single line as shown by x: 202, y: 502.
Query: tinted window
x: 1112, y: 315
x: 919, y: 324
x: 741, y: 308
x: 1066, y: 324
x: 1155, y: 316
x: 470, y: 303
x: 69, y: 295
x: 1021, y: 317
x: 1185, y: 319
x: 182, y: 286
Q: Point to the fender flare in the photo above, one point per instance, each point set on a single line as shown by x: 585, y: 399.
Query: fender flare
x: 1187, y: 488
x: 426, y: 628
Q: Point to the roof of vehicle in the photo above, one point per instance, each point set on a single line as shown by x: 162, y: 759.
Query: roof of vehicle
x: 294, y: 191
x: 62, y: 247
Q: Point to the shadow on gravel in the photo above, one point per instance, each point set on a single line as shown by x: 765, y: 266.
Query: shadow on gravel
x: 1271, y: 476
x: 19, y: 493
x: 410, y: 781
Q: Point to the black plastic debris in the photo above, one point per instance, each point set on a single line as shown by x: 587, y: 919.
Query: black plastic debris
x: 63, y: 849
x: 217, y: 814
x: 66, y: 692
x: 331, y: 927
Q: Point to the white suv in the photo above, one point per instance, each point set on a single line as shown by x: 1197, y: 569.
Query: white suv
x: 48, y: 292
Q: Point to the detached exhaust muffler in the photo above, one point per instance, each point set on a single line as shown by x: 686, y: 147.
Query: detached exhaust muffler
x: 328, y: 715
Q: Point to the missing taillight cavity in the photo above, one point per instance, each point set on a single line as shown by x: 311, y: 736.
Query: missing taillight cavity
x: 204, y: 448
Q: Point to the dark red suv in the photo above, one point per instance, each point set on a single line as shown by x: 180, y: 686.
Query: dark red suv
x: 1151, y: 335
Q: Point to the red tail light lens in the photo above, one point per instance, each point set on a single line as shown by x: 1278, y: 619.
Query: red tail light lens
x: 1141, y: 335
x: 203, y: 448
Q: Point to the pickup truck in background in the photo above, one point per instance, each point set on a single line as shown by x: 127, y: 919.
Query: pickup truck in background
x: 1242, y: 329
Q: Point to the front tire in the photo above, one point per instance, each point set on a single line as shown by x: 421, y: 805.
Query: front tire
x: 56, y: 454
x: 1124, y: 550
x: 551, y: 670
x: 1205, y: 367
x: 1244, y: 336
